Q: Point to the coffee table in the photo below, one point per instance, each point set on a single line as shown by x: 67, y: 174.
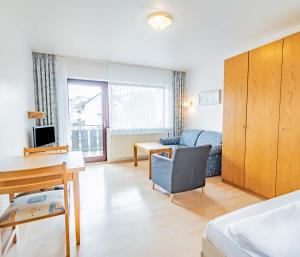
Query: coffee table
x: 150, y: 148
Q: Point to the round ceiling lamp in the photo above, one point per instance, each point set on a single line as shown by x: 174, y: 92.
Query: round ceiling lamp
x: 159, y: 21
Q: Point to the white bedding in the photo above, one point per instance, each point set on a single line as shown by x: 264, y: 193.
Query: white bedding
x: 217, y: 231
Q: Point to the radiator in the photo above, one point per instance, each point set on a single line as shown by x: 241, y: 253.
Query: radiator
x: 120, y: 145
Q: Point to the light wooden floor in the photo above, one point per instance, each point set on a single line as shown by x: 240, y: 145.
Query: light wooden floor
x: 122, y: 217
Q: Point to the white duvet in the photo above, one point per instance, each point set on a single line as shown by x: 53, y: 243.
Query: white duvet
x: 275, y: 233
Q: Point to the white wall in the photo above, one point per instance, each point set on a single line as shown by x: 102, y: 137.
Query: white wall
x: 16, y: 88
x: 139, y: 75
x: 210, y: 77
x: 16, y: 91
x: 208, y: 117
x: 120, y: 146
x: 81, y: 68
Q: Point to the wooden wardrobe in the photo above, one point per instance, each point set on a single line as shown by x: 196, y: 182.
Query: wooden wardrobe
x: 234, y: 129
x: 261, y: 130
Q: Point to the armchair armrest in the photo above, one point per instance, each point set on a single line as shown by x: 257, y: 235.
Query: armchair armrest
x: 162, y: 171
x: 170, y: 141
x: 216, y: 149
x: 161, y: 162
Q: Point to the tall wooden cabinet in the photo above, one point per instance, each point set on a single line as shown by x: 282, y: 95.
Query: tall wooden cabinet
x: 288, y: 168
x: 261, y: 133
x: 234, y: 122
x: 264, y: 81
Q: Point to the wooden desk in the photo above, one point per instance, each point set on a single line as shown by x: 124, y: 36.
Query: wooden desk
x: 74, y: 162
x: 150, y: 148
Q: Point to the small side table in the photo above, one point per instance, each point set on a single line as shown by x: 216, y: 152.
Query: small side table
x: 150, y: 148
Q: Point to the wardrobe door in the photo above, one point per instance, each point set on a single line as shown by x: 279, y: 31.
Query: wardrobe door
x: 263, y: 118
x: 234, y: 119
x: 288, y: 167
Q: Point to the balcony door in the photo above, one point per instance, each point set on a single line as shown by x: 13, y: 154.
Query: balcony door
x: 88, y: 108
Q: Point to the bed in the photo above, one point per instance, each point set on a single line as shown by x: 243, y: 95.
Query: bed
x: 268, y: 228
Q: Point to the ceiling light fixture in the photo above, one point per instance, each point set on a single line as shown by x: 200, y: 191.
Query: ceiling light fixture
x: 159, y: 21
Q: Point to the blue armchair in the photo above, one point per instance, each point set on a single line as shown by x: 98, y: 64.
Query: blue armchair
x: 184, y: 172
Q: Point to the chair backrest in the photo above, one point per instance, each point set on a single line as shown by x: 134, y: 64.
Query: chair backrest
x: 189, y: 165
x: 33, y: 179
x: 189, y: 137
x: 48, y: 149
x: 209, y: 137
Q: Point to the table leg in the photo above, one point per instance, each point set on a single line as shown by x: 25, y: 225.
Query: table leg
x: 135, y: 155
x: 170, y: 153
x: 150, y: 165
x: 14, y: 228
x: 76, y: 193
x: 1, y: 249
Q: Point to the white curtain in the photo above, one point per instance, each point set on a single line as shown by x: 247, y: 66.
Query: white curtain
x: 62, y: 101
x: 139, y: 107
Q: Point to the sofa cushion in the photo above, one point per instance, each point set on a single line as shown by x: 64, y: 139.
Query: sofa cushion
x: 209, y: 137
x: 169, y: 141
x: 189, y: 137
x: 37, y: 205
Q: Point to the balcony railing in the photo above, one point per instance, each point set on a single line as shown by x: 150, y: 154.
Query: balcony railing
x: 88, y: 139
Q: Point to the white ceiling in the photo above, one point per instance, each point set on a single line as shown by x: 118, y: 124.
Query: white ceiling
x: 117, y: 30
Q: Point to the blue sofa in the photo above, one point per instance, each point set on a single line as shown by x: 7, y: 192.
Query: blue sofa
x: 197, y: 137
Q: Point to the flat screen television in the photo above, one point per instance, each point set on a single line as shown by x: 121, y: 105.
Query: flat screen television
x: 43, y: 135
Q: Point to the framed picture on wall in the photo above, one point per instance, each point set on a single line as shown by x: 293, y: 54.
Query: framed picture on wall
x: 210, y: 97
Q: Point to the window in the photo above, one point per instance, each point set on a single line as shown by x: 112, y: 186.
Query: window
x: 88, y: 115
x: 138, y: 107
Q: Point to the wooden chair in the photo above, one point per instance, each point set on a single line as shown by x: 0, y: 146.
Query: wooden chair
x: 36, y: 206
x: 46, y: 150
x: 49, y: 149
